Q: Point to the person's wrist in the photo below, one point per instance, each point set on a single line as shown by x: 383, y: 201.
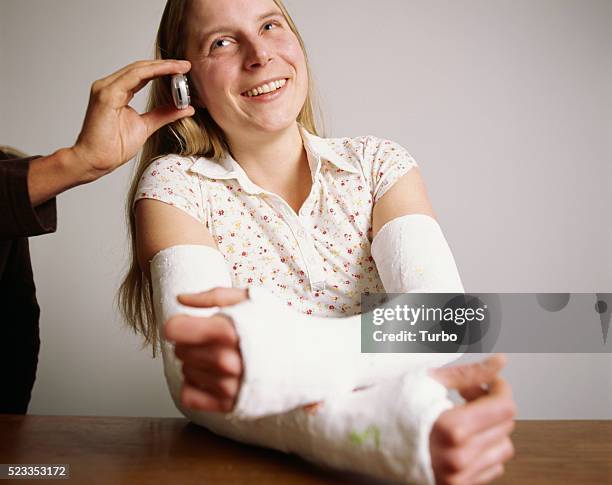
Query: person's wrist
x: 53, y: 174
x: 76, y: 166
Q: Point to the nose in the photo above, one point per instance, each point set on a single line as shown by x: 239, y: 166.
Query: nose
x: 258, y: 54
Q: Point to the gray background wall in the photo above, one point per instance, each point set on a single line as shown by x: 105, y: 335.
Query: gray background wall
x: 507, y: 105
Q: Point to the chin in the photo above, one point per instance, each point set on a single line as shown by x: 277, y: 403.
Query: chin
x: 274, y: 124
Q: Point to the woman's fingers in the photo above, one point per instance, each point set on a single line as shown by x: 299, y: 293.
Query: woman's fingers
x: 215, y: 358
x: 200, y: 400
x: 221, y: 387
x: 488, y: 475
x: 469, y: 379
x: 459, y: 424
x: 493, y: 456
x: 212, y: 376
x: 495, y: 407
x: 200, y: 330
x: 484, y: 440
x: 470, y: 443
x: 466, y: 456
x: 212, y: 366
x: 487, y: 464
x: 216, y: 297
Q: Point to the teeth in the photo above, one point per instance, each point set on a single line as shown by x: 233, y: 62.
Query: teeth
x: 266, y: 88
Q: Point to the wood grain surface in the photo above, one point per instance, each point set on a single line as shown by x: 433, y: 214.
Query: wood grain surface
x: 166, y: 450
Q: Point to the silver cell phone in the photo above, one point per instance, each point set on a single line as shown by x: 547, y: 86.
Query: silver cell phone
x: 180, y: 91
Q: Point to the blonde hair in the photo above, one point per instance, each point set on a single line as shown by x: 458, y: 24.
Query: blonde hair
x: 197, y: 135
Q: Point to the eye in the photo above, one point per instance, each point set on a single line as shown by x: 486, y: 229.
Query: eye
x: 219, y: 43
x: 269, y: 25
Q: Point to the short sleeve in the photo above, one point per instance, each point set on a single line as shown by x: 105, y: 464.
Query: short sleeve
x: 388, y: 162
x: 168, y: 180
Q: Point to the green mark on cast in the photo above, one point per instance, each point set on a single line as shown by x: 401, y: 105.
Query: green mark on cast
x: 361, y: 438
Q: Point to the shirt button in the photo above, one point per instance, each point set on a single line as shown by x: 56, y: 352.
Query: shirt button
x: 301, y: 233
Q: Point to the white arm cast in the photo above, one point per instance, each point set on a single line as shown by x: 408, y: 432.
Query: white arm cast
x: 412, y: 256
x: 382, y: 431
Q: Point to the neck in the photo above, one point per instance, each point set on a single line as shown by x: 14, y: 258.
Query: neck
x: 274, y: 161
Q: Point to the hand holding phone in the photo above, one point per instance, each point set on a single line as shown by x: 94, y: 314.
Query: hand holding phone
x: 113, y: 132
x: 180, y: 91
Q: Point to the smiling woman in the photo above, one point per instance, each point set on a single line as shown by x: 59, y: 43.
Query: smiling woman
x: 245, y: 194
x: 231, y: 56
x: 200, y: 135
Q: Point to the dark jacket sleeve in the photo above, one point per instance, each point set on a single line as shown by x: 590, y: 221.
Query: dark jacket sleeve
x: 17, y: 216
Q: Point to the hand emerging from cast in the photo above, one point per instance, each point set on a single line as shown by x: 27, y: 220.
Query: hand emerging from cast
x: 209, y: 351
x: 470, y: 443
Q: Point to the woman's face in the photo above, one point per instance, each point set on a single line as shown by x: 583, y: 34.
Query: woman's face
x: 236, y: 47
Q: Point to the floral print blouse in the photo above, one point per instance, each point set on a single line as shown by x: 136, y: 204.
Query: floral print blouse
x: 318, y: 260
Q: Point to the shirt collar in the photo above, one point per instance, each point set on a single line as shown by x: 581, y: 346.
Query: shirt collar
x: 317, y: 149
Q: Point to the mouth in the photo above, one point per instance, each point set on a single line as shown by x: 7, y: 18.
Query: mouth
x: 267, y: 89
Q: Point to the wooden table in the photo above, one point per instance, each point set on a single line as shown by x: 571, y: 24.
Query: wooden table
x: 151, y: 450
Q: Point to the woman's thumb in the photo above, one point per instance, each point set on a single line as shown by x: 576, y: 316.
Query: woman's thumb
x: 470, y: 379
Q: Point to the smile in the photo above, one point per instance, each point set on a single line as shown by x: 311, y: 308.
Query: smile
x: 266, y: 88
